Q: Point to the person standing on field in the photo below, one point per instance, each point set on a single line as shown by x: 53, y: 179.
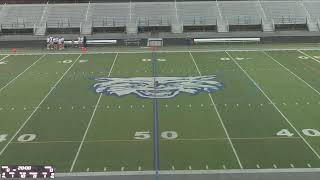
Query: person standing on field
x: 48, y: 42
x: 84, y: 41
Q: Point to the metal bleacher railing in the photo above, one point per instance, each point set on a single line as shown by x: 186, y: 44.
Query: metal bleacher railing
x: 13, y: 16
x: 245, y: 13
x: 313, y: 8
x: 284, y: 12
x: 155, y: 14
x: 204, y: 13
x: 219, y: 13
x: 109, y: 15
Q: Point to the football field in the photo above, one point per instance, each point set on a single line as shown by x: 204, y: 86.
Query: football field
x: 202, y: 110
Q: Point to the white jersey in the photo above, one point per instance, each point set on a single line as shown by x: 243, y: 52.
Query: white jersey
x: 79, y: 40
x: 51, y: 39
x: 55, y: 40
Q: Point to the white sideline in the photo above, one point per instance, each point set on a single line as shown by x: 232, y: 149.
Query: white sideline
x: 36, y: 109
x: 220, y: 119
x: 89, y: 124
x: 308, y: 55
x: 186, y: 172
x: 291, y: 72
x: 1, y: 89
x: 135, y: 51
x: 275, y: 106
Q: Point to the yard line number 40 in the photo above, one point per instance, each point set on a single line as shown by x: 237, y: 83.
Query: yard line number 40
x: 144, y: 135
x: 22, y: 138
x: 307, y: 132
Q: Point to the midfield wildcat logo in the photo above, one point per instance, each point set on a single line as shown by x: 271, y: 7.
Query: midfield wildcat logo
x: 159, y: 87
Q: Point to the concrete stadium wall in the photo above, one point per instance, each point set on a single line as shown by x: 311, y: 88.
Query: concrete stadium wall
x: 30, y: 41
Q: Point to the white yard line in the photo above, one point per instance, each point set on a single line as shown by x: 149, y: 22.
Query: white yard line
x: 308, y: 56
x: 182, y: 172
x: 276, y: 107
x: 5, y: 57
x: 291, y: 72
x: 36, y: 109
x: 222, y: 123
x: 1, y: 89
x: 90, y: 121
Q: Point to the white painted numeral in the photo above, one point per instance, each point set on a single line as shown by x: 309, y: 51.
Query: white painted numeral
x: 148, y: 60
x: 142, y: 135
x: 311, y: 132
x: 169, y: 135
x: 225, y: 59
x: 27, y: 137
x: 236, y: 58
x: 239, y: 59
x: 284, y: 132
x: 307, y: 132
x: 303, y: 57
x: 67, y: 61
x: 3, y: 137
x: 306, y: 57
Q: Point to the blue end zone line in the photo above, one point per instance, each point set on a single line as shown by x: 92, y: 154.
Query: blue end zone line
x: 155, y: 121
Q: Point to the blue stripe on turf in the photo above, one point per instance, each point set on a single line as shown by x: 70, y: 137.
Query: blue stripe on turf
x: 156, y: 159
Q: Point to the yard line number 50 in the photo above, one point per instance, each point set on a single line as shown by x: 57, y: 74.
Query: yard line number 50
x: 307, y: 132
x: 143, y: 135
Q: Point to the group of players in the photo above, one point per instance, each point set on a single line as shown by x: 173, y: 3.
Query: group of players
x: 55, y: 43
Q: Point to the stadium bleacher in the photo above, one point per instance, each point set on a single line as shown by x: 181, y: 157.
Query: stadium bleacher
x: 313, y: 9
x: 284, y: 12
x: 65, y: 15
x: 241, y: 13
x: 220, y: 15
x: 13, y: 16
x: 153, y: 14
x: 202, y: 13
x: 109, y: 15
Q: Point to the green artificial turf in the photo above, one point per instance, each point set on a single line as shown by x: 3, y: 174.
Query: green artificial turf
x: 266, y: 115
